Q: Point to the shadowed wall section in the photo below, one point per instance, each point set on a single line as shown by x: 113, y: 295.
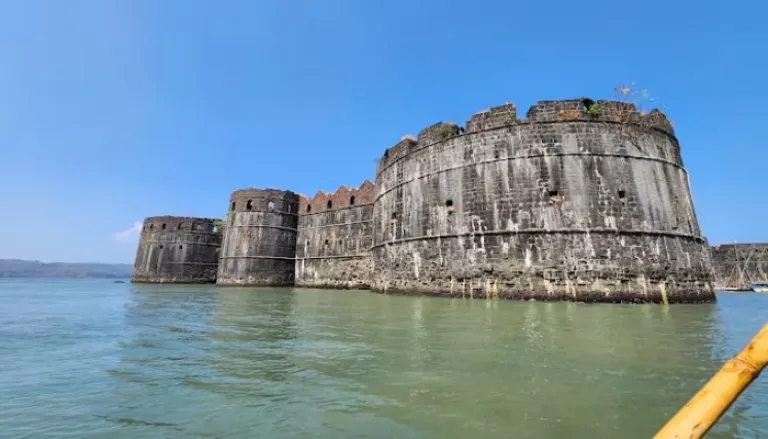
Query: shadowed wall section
x: 177, y: 250
x: 581, y: 200
x: 334, y: 238
x: 259, y: 245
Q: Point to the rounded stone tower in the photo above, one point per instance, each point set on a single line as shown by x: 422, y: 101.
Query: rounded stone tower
x: 176, y: 249
x: 260, y: 238
x: 580, y: 200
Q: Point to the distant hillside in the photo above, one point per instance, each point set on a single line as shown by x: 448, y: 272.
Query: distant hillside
x: 19, y: 268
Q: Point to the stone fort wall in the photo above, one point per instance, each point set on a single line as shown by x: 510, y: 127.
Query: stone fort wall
x: 177, y: 250
x: 259, y: 238
x: 568, y: 203
x: 578, y: 200
x: 334, y: 238
x: 737, y: 266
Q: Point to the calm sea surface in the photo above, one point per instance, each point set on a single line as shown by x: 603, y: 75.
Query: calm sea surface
x: 96, y: 359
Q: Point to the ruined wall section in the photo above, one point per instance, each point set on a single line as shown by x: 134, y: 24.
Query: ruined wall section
x: 334, y: 238
x: 259, y: 238
x: 574, y: 202
x: 177, y: 250
x: 737, y: 266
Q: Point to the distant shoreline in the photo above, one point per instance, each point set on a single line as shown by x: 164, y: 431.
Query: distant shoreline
x: 25, y: 269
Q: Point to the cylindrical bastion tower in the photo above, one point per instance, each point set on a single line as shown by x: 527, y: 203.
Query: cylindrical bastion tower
x: 580, y: 200
x: 260, y: 238
x: 176, y: 249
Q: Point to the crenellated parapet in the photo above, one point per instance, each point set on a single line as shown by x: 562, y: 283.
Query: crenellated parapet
x: 161, y: 224
x: 495, y: 117
x: 438, y: 132
x: 542, y: 112
x: 401, y: 149
x: 587, y: 110
x: 263, y: 200
x: 343, y: 198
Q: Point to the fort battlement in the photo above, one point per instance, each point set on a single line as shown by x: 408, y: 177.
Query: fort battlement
x: 343, y: 198
x: 263, y: 200
x: 177, y: 250
x: 158, y: 224
x: 555, y: 205
x: 544, y: 112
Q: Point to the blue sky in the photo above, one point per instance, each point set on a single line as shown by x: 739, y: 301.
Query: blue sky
x: 111, y: 111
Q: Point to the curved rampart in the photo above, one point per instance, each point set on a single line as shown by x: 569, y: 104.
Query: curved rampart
x: 334, y: 238
x: 177, y: 250
x: 259, y: 238
x: 737, y: 266
x: 580, y: 200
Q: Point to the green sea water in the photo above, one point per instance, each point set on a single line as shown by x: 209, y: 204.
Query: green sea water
x: 97, y: 359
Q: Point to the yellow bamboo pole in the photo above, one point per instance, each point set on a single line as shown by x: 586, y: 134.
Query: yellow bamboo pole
x: 695, y: 419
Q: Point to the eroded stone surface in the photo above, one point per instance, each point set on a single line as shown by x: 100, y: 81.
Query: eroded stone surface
x: 260, y: 238
x: 560, y: 206
x: 334, y: 240
x: 737, y: 266
x: 177, y: 250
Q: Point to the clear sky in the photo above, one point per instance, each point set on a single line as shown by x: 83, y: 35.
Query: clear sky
x: 114, y: 110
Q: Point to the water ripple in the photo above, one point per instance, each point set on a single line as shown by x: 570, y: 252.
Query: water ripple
x: 94, y: 359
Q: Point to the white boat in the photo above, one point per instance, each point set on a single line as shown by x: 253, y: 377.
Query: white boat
x: 760, y: 287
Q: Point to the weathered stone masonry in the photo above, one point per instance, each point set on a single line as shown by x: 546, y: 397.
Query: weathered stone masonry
x: 577, y: 201
x: 737, y: 266
x: 177, y: 250
x: 566, y: 204
x: 259, y: 238
x: 334, y: 239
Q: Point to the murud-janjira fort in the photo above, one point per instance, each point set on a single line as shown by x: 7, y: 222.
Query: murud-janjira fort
x: 578, y: 200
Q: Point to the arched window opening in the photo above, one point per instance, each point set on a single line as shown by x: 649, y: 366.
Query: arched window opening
x: 352, y: 200
x: 180, y: 247
x: 151, y: 226
x: 249, y: 205
x: 448, y: 203
x: 330, y: 204
x: 163, y: 226
x: 233, y: 205
x: 622, y: 193
x: 178, y: 227
x: 271, y: 206
x: 161, y: 246
x: 309, y: 208
x: 326, y: 242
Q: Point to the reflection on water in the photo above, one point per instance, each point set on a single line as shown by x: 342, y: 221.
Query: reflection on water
x: 111, y: 360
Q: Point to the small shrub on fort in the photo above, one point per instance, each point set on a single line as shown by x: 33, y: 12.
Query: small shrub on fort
x: 626, y: 95
x: 446, y: 130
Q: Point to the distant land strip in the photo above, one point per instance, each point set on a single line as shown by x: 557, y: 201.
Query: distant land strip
x: 17, y: 268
